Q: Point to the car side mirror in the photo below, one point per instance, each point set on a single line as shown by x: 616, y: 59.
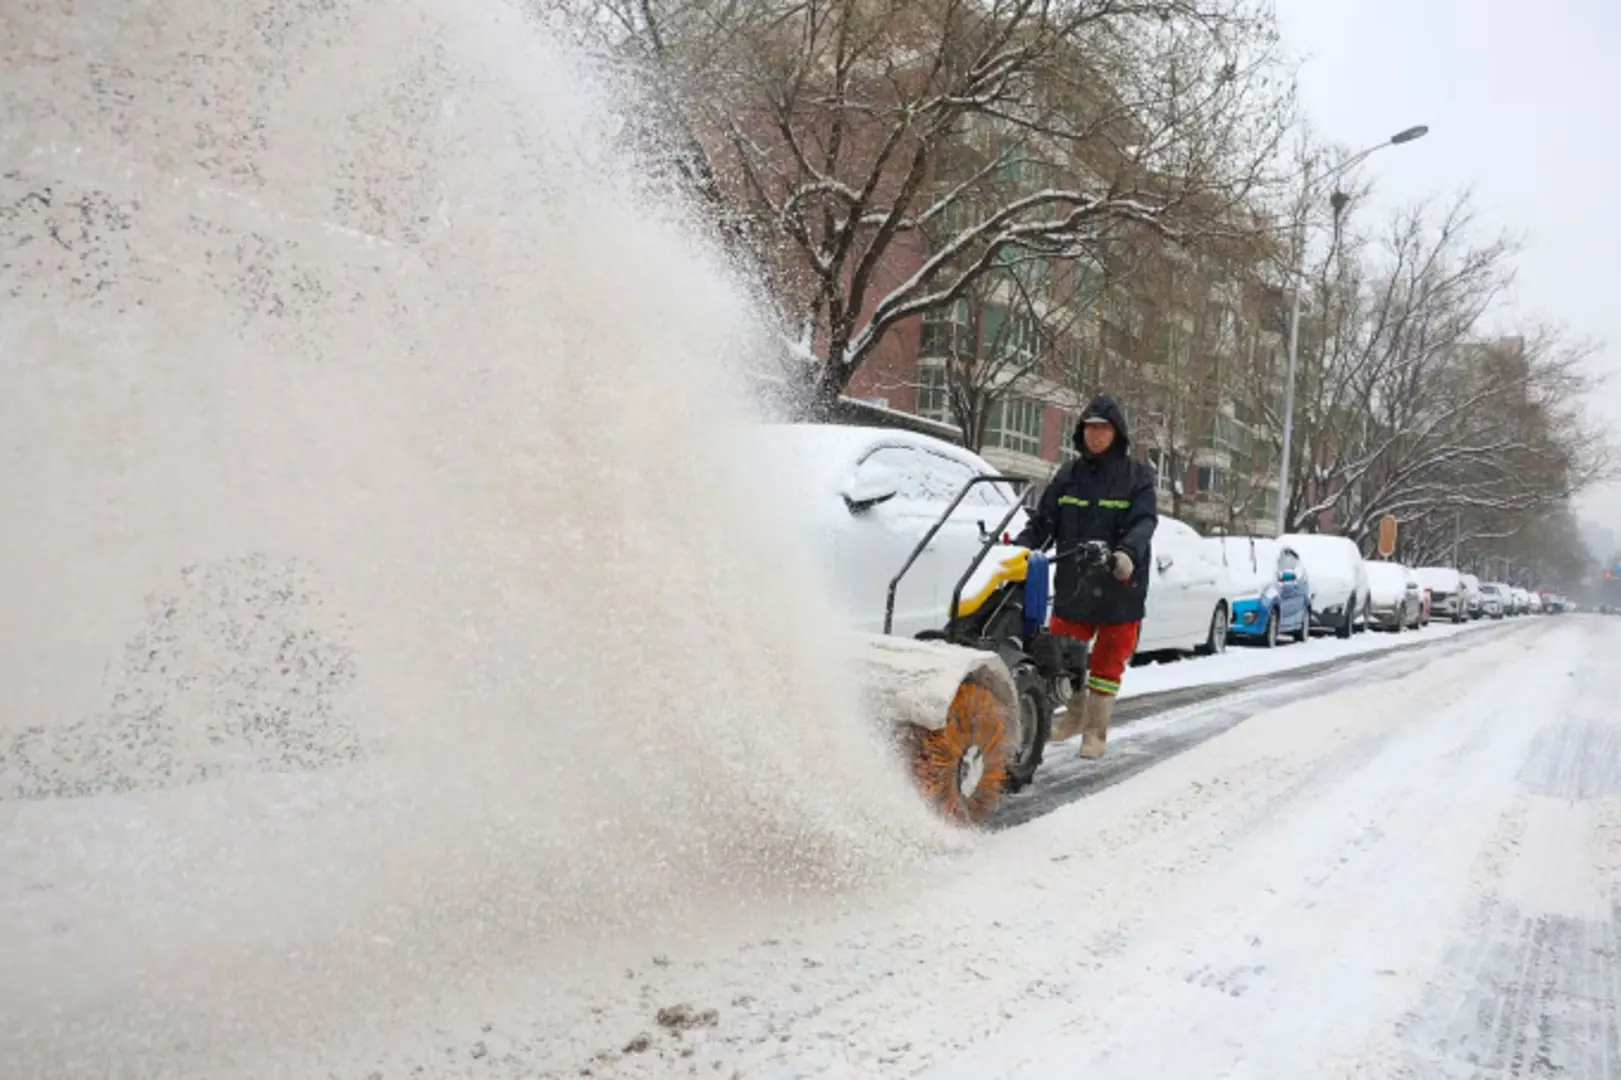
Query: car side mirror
x: 1287, y: 576
x: 1164, y: 562
x: 862, y: 496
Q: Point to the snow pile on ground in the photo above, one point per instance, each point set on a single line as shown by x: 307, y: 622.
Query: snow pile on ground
x: 383, y: 588
x: 1239, y: 663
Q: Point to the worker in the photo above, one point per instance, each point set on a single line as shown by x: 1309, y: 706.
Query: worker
x: 1104, y: 495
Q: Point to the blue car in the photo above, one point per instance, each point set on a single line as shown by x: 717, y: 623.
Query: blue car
x: 1272, y: 597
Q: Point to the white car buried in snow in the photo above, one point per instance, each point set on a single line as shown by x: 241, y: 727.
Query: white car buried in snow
x: 1395, y: 597
x: 1189, y: 592
x: 1338, y: 576
x: 1448, y: 597
x: 871, y: 495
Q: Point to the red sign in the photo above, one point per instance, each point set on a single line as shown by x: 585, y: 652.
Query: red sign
x: 1387, y: 536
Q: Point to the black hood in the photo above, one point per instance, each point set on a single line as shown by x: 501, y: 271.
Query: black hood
x: 1105, y: 406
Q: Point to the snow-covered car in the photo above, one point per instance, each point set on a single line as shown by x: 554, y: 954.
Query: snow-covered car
x: 1495, y: 600
x: 1338, y: 578
x: 1522, y: 601
x: 1270, y: 595
x: 1473, y: 599
x: 1447, y: 597
x: 1395, y: 598
x: 1188, y: 592
x: 870, y: 495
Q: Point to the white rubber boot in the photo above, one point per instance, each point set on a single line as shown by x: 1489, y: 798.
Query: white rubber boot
x: 1070, y: 723
x: 1095, y: 724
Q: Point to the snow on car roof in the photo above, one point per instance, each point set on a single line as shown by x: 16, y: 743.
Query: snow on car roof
x: 1321, y: 545
x: 1387, y: 578
x: 827, y: 452
x: 1252, y: 561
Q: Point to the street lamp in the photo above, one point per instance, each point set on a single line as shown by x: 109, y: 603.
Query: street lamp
x: 1407, y: 135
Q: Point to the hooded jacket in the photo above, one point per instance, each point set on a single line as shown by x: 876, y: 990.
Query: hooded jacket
x: 1107, y: 497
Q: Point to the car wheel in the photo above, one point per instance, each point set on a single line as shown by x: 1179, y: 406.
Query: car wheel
x: 1303, y: 635
x: 1348, y: 627
x: 1272, y: 629
x: 1217, y: 641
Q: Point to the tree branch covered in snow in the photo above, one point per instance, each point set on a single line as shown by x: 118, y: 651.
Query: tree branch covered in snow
x: 882, y: 159
x: 1411, y: 403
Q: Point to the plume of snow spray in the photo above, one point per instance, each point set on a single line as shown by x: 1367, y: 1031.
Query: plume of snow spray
x: 383, y: 569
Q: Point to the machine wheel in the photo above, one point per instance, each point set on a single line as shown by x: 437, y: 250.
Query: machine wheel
x: 1303, y: 635
x: 1035, y: 728
x: 1349, y: 627
x: 1217, y: 642
x: 1272, y: 628
x: 961, y: 769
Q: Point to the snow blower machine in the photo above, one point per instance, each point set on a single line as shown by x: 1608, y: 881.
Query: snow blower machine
x: 973, y: 701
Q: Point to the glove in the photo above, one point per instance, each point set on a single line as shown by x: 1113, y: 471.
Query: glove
x: 1121, y: 566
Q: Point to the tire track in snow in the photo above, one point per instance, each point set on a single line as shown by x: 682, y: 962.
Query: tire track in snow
x: 1343, y: 836
x: 1534, y: 987
x: 1148, y: 732
x: 889, y: 1000
x: 1318, y: 923
x: 1173, y: 837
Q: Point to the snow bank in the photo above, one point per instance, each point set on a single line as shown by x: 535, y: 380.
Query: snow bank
x: 1238, y: 664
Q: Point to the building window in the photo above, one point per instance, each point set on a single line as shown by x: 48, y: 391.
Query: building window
x: 945, y: 331
x: 1025, y: 341
x: 1066, y: 438
x: 1157, y: 460
x: 934, y: 394
x: 1230, y: 435
x: 1212, y: 481
x: 1072, y: 357
x: 1011, y: 337
x: 1015, y: 424
x: 1266, y: 506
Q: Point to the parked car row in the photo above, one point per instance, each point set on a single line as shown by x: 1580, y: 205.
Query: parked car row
x: 1459, y: 597
x: 871, y: 495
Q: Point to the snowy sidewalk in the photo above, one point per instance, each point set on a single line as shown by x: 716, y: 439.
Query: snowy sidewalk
x: 1242, y: 662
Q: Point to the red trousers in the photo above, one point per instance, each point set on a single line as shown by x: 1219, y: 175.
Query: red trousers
x: 1114, y: 645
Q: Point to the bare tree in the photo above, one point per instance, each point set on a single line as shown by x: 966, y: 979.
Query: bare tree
x: 1408, y: 406
x: 858, y: 137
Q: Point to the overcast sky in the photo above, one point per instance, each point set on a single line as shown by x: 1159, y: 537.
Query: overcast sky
x: 1523, y: 101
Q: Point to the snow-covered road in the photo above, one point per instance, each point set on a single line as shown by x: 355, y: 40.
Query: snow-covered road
x: 1414, y: 877
x: 1417, y: 875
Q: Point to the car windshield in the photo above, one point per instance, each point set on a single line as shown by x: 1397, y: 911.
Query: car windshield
x: 1252, y: 563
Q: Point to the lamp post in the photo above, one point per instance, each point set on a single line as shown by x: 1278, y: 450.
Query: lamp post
x: 1405, y: 136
